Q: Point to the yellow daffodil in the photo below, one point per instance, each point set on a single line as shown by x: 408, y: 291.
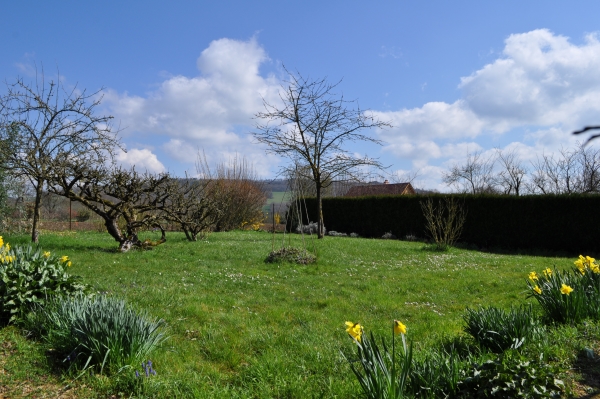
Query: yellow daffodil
x: 7, y: 247
x: 595, y: 268
x: 399, y: 328
x: 533, y: 276
x: 548, y: 272
x: 354, y: 329
x: 590, y: 260
x: 64, y: 258
x: 69, y: 264
x: 46, y: 254
x: 580, y: 266
x: 1, y: 242
x: 565, y: 289
x: 537, y: 290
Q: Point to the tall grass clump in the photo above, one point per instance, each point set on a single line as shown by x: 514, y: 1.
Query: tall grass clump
x: 29, y: 277
x: 498, y: 330
x: 568, y: 296
x: 100, y: 332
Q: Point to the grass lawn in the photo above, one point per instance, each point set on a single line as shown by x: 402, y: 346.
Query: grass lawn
x: 242, y: 328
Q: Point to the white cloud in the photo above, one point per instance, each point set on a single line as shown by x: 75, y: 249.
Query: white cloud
x: 143, y: 160
x: 540, y: 89
x: 206, y: 111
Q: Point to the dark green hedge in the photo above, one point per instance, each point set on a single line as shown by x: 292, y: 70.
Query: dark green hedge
x: 555, y: 222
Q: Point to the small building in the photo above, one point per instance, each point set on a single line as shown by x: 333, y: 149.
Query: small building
x: 381, y: 189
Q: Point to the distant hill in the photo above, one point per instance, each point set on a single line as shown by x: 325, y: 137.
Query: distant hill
x: 276, y: 185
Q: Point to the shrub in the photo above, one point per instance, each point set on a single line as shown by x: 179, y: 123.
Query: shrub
x: 354, y: 235
x: 236, y: 191
x: 292, y: 255
x: 31, y: 276
x: 83, y: 215
x: 498, y: 330
x: 444, y: 222
x: 100, y: 332
x: 388, y: 236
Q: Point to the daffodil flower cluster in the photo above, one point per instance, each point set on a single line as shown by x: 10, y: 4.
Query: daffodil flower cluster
x: 380, y: 374
x: 30, y: 276
x: 585, y: 263
x: 568, y: 296
x: 6, y: 256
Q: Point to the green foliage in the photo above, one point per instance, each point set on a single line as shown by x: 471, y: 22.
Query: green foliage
x: 100, y: 332
x: 30, y: 276
x: 510, y: 375
x: 498, y: 330
x: 436, y: 374
x: 381, y: 374
x: 504, y: 221
x: 566, y: 296
x: 292, y: 255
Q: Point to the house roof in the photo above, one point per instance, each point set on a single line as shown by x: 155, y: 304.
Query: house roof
x: 381, y: 189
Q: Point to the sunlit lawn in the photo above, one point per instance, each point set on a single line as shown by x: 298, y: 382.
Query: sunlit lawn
x: 242, y: 328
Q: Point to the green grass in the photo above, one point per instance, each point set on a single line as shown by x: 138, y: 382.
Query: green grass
x: 242, y: 328
x: 277, y: 198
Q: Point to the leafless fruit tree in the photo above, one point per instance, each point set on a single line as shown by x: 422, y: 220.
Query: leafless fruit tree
x: 115, y: 193
x: 311, y: 126
x: 46, y: 124
x: 190, y: 206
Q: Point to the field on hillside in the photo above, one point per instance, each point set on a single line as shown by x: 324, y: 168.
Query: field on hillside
x: 280, y: 199
x: 242, y: 328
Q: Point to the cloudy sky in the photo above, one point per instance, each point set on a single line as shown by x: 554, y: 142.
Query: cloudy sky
x: 451, y: 77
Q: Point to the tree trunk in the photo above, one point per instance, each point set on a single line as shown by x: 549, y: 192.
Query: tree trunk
x: 112, y: 227
x: 36, y: 210
x: 319, y: 211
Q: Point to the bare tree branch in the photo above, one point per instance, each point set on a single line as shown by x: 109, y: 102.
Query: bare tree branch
x: 311, y: 127
x: 48, y: 125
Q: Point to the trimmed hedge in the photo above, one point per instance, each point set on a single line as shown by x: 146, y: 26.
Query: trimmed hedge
x: 556, y: 222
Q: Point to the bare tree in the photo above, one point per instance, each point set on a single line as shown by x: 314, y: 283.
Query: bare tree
x: 474, y: 176
x: 512, y: 174
x: 190, y: 206
x: 311, y: 126
x: 570, y: 171
x: 114, y: 194
x: 48, y: 124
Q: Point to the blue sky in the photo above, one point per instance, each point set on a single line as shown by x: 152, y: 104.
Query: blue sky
x: 451, y: 76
